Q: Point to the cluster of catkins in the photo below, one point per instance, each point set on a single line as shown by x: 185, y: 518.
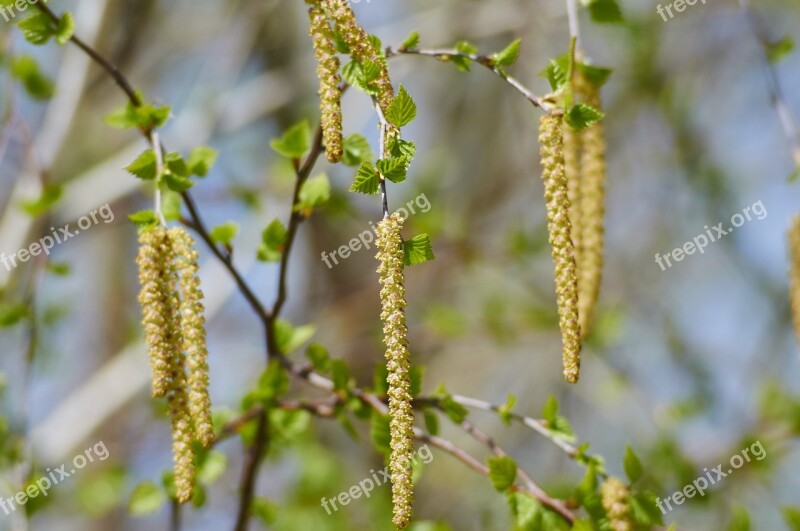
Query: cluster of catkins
x: 614, y: 496
x: 573, y: 170
x: 172, y: 309
x: 328, y: 19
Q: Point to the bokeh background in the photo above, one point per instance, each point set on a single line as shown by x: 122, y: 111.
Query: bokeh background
x: 687, y: 365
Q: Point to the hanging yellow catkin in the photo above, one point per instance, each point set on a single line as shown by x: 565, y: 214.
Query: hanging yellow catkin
x: 153, y: 265
x: 194, y: 334
x: 794, y: 273
x: 393, y: 304
x: 361, y: 48
x: 558, y: 225
x: 614, y: 496
x: 328, y: 73
x: 590, y: 229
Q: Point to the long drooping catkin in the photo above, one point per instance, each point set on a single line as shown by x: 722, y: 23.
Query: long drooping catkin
x: 393, y: 304
x: 194, y: 335
x: 153, y: 264
x: 558, y: 225
x: 614, y: 497
x: 794, y: 273
x: 572, y: 171
x: 328, y: 73
x: 361, y: 48
x: 590, y: 233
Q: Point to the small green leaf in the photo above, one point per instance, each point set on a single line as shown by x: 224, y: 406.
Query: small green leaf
x: 171, y: 203
x: 393, y: 169
x: 144, y: 218
x: 418, y: 250
x: 779, y: 49
x: 502, y: 472
x: 175, y: 164
x: 265, y: 510
x: 582, y: 115
x: 403, y: 148
x: 273, y: 382
x: 315, y: 192
x: 300, y: 335
x: 526, y: 510
x: 505, y: 410
x: 273, y: 239
x: 12, y: 313
x: 431, y: 422
x: 50, y: 195
x: 340, y: 373
x: 416, y: 373
x: 295, y: 142
x: 225, y: 233
x: 26, y: 69
x: 644, y: 509
x: 146, y: 498
x: 144, y: 167
x: 380, y: 432
x: 464, y: 63
x: 201, y: 159
x: 66, y: 28
x: 356, y: 150
x: 146, y: 117
x: 632, y: 465
x: 556, y: 74
x: 319, y: 357
x: 508, y: 56
x: 596, y: 75
x: 402, y: 110
x: 604, y: 11
x: 367, y: 180
x: 550, y: 410
x: 177, y: 183
x: 37, y: 28
x: 412, y: 41
x: 455, y: 411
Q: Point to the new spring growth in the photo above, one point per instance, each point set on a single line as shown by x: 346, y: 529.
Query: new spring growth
x: 174, y: 330
x: 614, y: 496
x: 393, y: 304
x: 361, y: 49
x: 794, y: 273
x: 328, y: 73
x: 558, y: 225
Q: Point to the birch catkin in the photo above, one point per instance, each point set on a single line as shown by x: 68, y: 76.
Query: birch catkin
x: 194, y: 335
x: 329, y: 93
x: 794, y: 273
x: 590, y: 228
x: 393, y: 304
x: 614, y: 497
x: 558, y: 225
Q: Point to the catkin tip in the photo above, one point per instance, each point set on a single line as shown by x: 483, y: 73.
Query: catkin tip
x: 329, y: 79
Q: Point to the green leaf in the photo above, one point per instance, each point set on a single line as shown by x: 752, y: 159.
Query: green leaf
x: 356, y: 150
x: 402, y: 110
x: 146, y: 117
x: 146, y: 498
x: 779, y: 49
x: 37, y: 28
x: 393, y: 169
x: 464, y: 63
x: 596, y: 75
x: 12, y: 313
x: 273, y: 382
x: 340, y: 374
x: 265, y: 511
x: 370, y: 72
x: 632, y: 465
x: 211, y: 467
x: 171, y: 203
x: 66, y: 28
x: 455, y: 411
x: 550, y: 410
x: 273, y: 240
x: 50, y: 195
x: 319, y: 357
x: 176, y: 183
x: 527, y: 511
x: 26, y: 69
x: 505, y: 410
x: 556, y: 73
x: 225, y: 233
x: 295, y: 142
x: 201, y: 160
x: 144, y: 167
x: 431, y: 422
x: 415, y: 374
x: 315, y: 192
x: 582, y: 115
x: 367, y: 180
x: 379, y: 431
x: 418, y: 250
x: 289, y: 337
x: 60, y: 269
x: 508, y: 56
x: 144, y: 218
x: 604, y: 11
x: 791, y: 515
x: 644, y: 509
x: 412, y: 41
x: 403, y: 148
x: 175, y: 164
x: 502, y: 472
